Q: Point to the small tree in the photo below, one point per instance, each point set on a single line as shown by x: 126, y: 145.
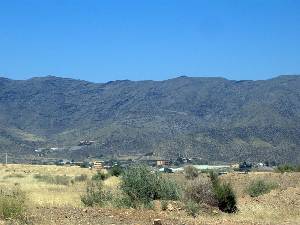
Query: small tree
x: 226, y: 198
x: 191, y: 172
x: 140, y: 184
x: 224, y: 194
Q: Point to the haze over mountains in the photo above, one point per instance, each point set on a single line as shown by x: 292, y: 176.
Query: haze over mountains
x: 212, y: 118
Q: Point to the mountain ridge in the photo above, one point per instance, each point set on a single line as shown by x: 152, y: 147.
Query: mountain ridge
x: 213, y: 118
x: 284, y: 76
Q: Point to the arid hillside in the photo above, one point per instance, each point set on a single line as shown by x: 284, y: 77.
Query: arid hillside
x: 212, y: 118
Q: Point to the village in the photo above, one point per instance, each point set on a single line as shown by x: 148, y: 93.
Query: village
x: 156, y: 162
x: 169, y: 165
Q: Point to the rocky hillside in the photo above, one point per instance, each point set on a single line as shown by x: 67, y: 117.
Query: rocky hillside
x: 212, y: 118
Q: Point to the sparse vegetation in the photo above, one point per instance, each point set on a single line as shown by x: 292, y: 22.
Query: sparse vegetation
x: 99, y: 176
x: 12, y: 204
x: 14, y: 175
x: 191, y: 172
x: 260, y: 187
x: 192, y: 208
x: 57, y: 179
x: 96, y: 195
x: 47, y: 202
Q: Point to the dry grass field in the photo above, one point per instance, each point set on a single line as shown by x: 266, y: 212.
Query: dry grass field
x: 41, y: 193
x: 50, y: 203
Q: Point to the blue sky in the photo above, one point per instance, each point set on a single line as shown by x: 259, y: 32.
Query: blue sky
x: 155, y: 39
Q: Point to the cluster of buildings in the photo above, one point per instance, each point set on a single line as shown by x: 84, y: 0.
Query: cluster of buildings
x: 157, y: 162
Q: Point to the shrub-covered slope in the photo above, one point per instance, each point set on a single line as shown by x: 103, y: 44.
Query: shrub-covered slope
x: 212, y: 118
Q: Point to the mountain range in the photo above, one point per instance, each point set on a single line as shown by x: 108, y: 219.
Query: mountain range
x: 214, y: 119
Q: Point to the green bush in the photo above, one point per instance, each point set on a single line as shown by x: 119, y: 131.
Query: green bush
x: 260, y: 187
x: 142, y: 186
x: 95, y: 195
x: 99, y: 176
x: 12, y: 204
x: 81, y: 178
x: 60, y: 180
x: 226, y: 198
x: 224, y: 193
x: 285, y: 168
x: 168, y: 189
x: 190, y: 172
x: 200, y: 191
x: 192, y: 208
x: 123, y: 201
x: 116, y: 171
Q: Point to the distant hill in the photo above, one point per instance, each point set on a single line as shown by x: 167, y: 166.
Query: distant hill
x: 212, y: 118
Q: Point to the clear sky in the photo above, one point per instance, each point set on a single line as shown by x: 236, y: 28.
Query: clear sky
x: 155, y: 39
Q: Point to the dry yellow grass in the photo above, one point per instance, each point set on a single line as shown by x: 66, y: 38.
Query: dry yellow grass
x: 280, y: 206
x: 41, y: 193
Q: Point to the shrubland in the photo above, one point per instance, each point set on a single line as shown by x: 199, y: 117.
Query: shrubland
x: 203, y: 197
x: 259, y: 187
x: 139, y: 187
